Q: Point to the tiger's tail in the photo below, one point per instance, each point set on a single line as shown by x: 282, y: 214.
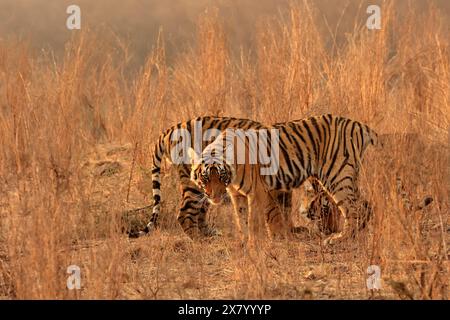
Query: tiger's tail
x: 158, y: 154
x: 372, y: 137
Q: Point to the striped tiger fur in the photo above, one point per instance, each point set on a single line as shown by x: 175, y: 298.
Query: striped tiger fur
x: 194, y: 207
x: 321, y: 214
x: 327, y: 148
x: 217, y: 176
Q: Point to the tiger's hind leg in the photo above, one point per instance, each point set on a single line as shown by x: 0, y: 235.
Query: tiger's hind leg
x: 355, y: 211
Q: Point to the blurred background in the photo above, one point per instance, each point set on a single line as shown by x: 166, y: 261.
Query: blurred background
x: 43, y: 22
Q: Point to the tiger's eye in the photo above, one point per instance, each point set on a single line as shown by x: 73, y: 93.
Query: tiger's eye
x: 204, y: 178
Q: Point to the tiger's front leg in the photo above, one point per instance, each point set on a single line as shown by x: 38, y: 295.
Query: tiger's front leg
x: 284, y: 201
x: 279, y: 226
x: 263, y: 205
x: 256, y: 224
x: 240, y: 213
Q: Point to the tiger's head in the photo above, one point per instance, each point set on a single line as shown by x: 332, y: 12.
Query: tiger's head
x: 211, y: 175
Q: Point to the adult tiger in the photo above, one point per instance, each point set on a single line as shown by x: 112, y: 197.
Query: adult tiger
x: 328, y: 148
x: 173, y: 145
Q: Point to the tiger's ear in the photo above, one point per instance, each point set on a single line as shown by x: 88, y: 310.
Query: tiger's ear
x: 193, y: 156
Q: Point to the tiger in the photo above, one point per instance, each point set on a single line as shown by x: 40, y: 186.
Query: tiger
x: 219, y: 174
x: 316, y: 210
x: 322, y: 215
x: 326, y: 148
x: 194, y: 205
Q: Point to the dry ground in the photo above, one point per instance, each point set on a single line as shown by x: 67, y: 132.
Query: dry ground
x: 76, y: 126
x: 168, y: 265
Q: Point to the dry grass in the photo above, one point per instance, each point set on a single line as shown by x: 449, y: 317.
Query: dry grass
x: 73, y: 126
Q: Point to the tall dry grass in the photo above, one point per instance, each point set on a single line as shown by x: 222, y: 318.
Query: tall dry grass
x: 62, y: 116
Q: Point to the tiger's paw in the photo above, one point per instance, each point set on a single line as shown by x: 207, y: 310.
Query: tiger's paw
x: 211, y: 232
x: 333, y: 239
x: 149, y: 229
